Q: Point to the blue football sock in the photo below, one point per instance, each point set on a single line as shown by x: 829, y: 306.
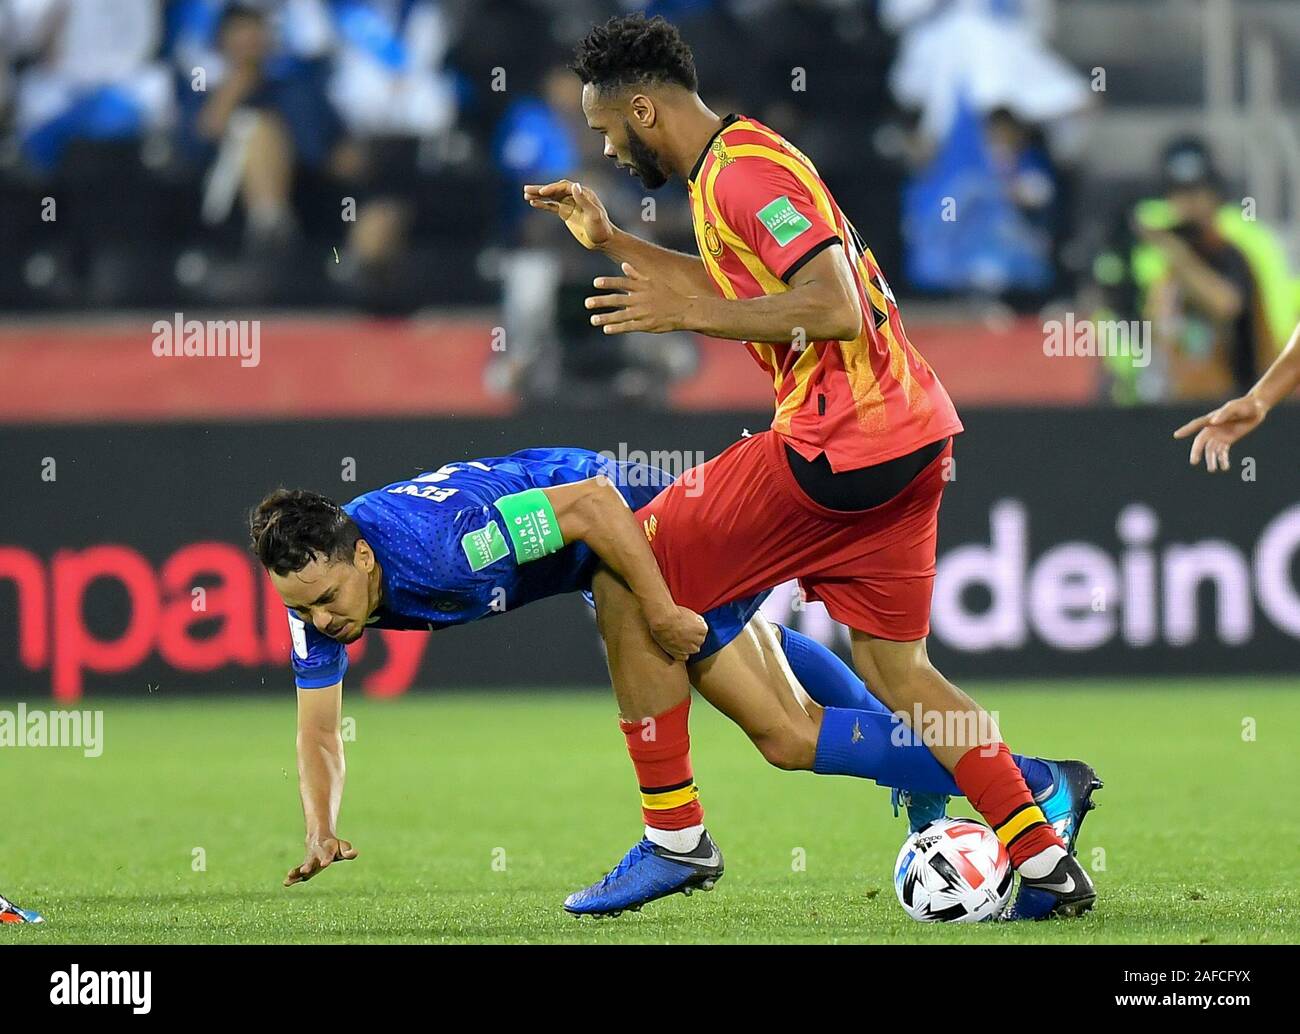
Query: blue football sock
x: 834, y: 685
x: 828, y: 680
x: 876, y: 745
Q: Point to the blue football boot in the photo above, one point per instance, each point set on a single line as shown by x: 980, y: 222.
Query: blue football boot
x: 1064, y: 893
x: 922, y: 808
x: 646, y: 873
x: 1069, y: 798
x: 1067, y: 891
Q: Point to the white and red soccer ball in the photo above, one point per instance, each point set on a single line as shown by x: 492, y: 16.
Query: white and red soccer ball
x: 953, y: 871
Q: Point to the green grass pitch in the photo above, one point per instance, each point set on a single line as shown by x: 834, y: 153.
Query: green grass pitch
x: 475, y: 813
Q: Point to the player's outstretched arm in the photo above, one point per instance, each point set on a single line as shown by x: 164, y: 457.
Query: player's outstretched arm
x: 585, y: 216
x: 1217, y: 431
x: 593, y: 511
x: 321, y: 772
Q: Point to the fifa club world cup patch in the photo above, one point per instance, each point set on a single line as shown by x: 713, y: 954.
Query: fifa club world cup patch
x: 483, y: 547
x: 783, y: 221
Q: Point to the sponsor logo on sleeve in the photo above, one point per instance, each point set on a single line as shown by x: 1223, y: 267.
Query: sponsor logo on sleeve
x: 783, y: 221
x: 485, y: 546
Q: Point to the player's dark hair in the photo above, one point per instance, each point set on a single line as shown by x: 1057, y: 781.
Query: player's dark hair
x: 633, y: 49
x: 292, y: 527
x: 240, y: 10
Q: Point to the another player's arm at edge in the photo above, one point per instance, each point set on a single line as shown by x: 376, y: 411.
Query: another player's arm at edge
x: 321, y: 773
x: 1217, y: 431
x: 593, y: 511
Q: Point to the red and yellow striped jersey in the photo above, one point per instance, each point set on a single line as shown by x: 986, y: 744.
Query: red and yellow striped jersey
x: 760, y: 213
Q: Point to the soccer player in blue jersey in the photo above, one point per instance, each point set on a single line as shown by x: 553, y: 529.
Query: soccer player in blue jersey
x: 475, y: 539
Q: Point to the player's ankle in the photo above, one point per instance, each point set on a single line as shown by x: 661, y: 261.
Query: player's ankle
x: 1040, y: 865
x: 679, y: 841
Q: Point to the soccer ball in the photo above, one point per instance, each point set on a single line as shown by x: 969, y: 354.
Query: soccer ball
x: 953, y: 871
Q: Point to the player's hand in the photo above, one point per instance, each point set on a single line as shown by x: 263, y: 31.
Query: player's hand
x: 321, y: 854
x: 582, y: 211
x: 679, y: 631
x: 644, y: 304
x: 1217, y: 431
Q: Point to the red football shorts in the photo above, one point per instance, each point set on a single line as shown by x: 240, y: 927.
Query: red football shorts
x: 740, y: 524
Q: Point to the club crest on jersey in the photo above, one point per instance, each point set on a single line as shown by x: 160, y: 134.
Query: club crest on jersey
x: 712, y: 242
x: 720, y: 154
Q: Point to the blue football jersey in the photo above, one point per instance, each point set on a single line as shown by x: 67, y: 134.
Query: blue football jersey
x: 445, y: 559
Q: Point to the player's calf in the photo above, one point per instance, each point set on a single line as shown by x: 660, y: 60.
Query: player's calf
x: 789, y: 748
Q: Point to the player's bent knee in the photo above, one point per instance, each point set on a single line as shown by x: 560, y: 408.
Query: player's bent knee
x: 786, y: 749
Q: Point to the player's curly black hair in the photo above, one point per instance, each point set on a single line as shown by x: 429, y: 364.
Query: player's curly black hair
x: 239, y: 10
x: 633, y: 49
x: 292, y: 527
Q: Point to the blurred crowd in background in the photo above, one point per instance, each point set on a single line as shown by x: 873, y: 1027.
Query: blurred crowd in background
x: 369, y: 154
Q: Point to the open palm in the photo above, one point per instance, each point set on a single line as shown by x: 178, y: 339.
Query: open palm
x: 1216, y: 432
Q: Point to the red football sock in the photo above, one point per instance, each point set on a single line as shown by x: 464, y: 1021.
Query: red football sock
x: 661, y: 754
x: 994, y: 786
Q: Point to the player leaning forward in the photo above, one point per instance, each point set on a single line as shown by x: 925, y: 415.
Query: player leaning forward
x: 481, y: 538
x: 843, y: 491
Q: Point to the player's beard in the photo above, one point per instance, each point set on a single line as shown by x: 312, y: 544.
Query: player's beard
x: 644, y: 161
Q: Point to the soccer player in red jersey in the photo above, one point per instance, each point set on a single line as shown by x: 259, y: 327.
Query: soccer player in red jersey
x: 843, y: 490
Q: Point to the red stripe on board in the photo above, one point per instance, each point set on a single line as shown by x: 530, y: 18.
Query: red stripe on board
x: 82, y: 373
x: 307, y: 369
